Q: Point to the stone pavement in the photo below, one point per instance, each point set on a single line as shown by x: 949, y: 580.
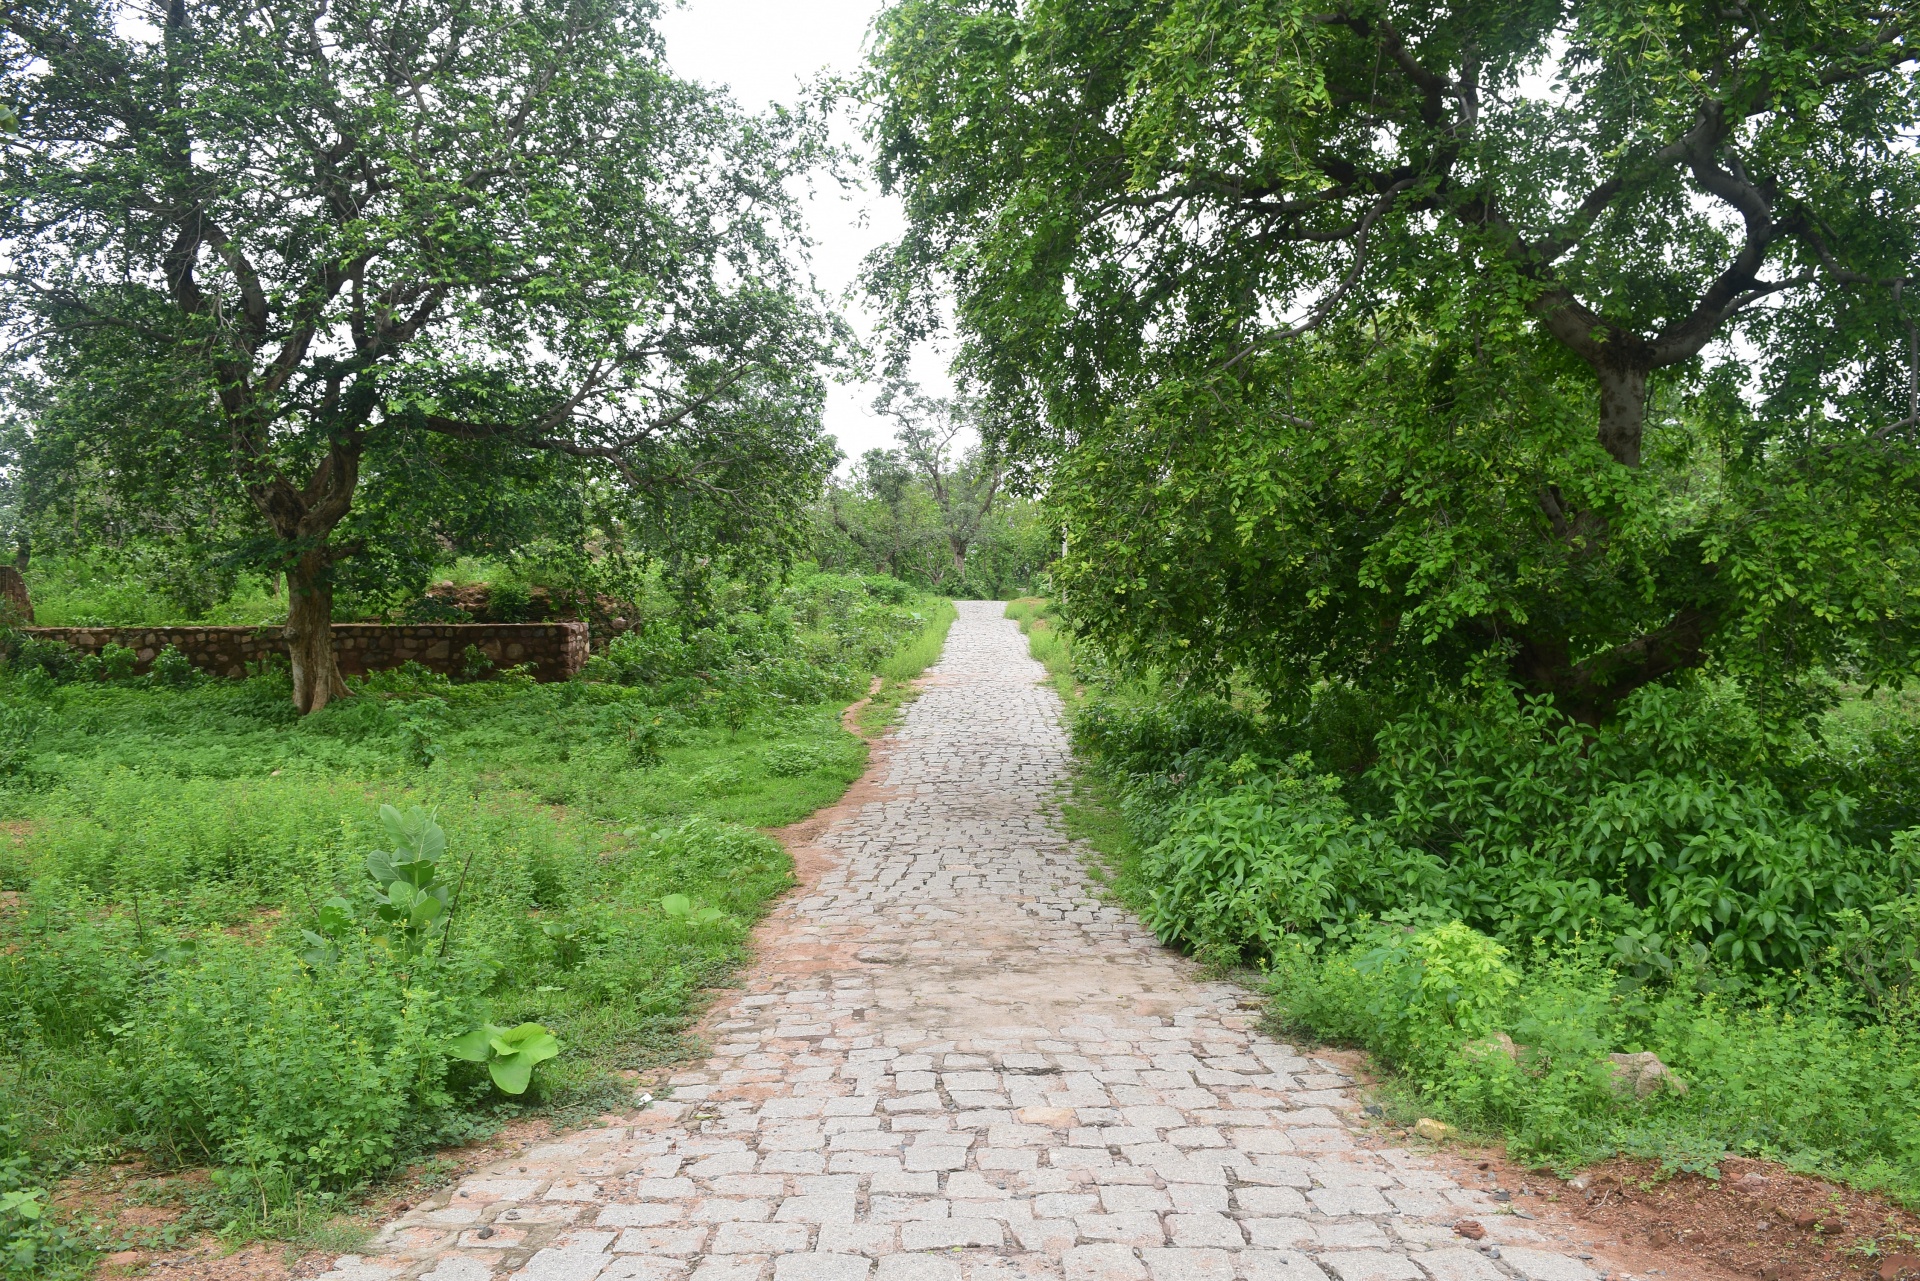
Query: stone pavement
x: 952, y: 1063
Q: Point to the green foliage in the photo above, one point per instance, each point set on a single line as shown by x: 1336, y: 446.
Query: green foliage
x: 415, y: 900
x: 1360, y: 351
x: 204, y: 962
x: 171, y: 667
x: 420, y: 721
x: 1678, y: 829
x: 508, y: 602
x: 1493, y: 901
x: 1808, y: 1085
x: 812, y: 641
x: 248, y: 1058
x: 679, y: 907
x: 510, y: 1054
x: 1255, y: 858
x: 544, y: 284
x: 20, y: 724
x: 31, y: 1243
x: 790, y: 760
x: 934, y: 510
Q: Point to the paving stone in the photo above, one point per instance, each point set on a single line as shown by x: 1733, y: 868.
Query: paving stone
x: 681, y: 1241
x: 1102, y: 1263
x: 1456, y: 1264
x: 1188, y: 1265
x: 1542, y: 1265
x: 953, y: 1062
x: 1370, y: 1265
x: 942, y: 1234
x: 917, y: 1267
x: 759, y: 1238
x: 1199, y: 1230
x: 454, y: 1267
x: 821, y: 1267
x: 738, y: 1268
x: 637, y: 1268
x: 830, y: 1207
x: 1276, y: 1265
x: 1349, y: 1201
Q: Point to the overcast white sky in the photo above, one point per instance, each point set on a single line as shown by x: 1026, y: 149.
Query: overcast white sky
x: 764, y: 51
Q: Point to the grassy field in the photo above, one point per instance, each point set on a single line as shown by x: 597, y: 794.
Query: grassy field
x: 198, y: 969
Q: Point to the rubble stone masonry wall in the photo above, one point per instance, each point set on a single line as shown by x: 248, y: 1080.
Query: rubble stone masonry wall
x: 556, y: 650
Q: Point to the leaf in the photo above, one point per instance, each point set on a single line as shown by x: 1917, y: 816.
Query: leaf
x: 473, y: 1046
x: 533, y: 1042
x: 336, y: 916
x: 426, y: 910
x: 512, y: 1074
x: 25, y: 1204
x: 677, y: 905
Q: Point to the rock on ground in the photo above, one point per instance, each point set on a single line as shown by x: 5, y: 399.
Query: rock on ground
x: 952, y: 1063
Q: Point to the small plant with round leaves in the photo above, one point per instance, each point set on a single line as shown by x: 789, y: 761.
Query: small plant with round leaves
x: 683, y: 909
x: 510, y: 1054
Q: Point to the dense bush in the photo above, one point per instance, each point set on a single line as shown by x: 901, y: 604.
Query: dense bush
x: 1494, y: 901
x: 816, y: 640
x: 1804, y: 1080
x: 1666, y: 831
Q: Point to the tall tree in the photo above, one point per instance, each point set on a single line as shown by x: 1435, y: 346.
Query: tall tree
x: 1379, y: 335
x: 933, y: 439
x: 301, y: 243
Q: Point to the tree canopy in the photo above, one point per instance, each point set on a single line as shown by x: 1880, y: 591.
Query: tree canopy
x: 359, y: 274
x: 1373, y: 339
x: 937, y: 508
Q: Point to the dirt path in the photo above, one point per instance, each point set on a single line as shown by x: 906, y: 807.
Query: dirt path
x: 953, y: 1063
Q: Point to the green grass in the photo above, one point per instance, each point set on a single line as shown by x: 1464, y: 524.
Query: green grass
x: 1049, y: 643
x: 895, y: 686
x: 73, y: 592
x: 162, y: 851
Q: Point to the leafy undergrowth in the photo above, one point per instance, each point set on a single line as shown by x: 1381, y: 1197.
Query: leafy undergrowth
x: 895, y: 687
x: 197, y: 967
x: 1496, y: 910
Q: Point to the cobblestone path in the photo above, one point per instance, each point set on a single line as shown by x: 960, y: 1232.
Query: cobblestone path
x: 952, y: 1063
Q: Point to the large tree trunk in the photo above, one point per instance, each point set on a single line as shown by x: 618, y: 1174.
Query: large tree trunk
x: 1623, y: 410
x: 959, y: 548
x: 305, y: 519
x: 316, y: 674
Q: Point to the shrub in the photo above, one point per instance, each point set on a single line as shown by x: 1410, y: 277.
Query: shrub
x: 31, y: 1244
x: 117, y: 663
x: 508, y: 602
x: 20, y: 724
x: 1244, y: 866
x: 58, y: 662
x: 790, y: 760
x: 174, y: 669
x: 249, y: 1058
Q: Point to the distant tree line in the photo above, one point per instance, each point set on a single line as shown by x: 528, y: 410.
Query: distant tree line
x: 938, y: 510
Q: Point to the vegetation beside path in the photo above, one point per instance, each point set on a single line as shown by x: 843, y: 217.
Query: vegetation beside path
x: 197, y: 970
x: 1496, y: 956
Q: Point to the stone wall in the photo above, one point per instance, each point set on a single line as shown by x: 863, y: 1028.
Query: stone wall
x: 556, y: 650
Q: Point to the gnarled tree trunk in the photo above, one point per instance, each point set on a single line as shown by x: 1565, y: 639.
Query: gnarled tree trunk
x: 316, y: 672
x: 305, y: 518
